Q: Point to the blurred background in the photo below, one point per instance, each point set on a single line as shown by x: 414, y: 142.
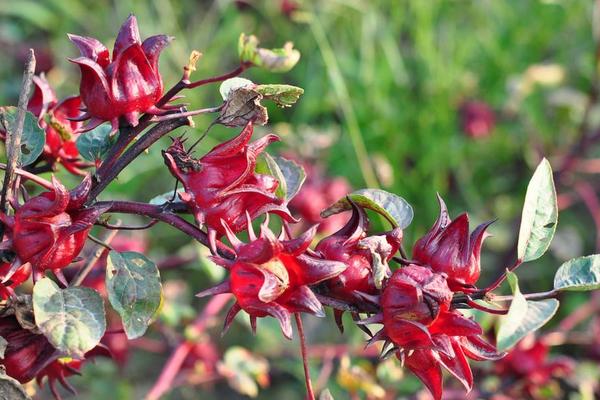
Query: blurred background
x: 462, y: 98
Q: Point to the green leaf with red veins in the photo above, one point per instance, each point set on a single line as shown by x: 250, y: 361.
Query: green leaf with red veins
x: 540, y: 214
x: 524, y: 316
x: 34, y: 137
x: 394, y: 208
x: 95, y: 144
x: 134, y: 290
x: 579, y: 274
x: 72, y: 319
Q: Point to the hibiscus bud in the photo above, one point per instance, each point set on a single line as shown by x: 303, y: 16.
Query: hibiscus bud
x: 477, y: 119
x: 448, y: 248
x: 366, y: 257
x: 125, y: 85
x: 49, y: 230
x: 271, y: 276
x: 223, y: 184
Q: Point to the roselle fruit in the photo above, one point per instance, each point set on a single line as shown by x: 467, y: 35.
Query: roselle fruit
x: 448, y: 248
x: 124, y: 85
x: 271, y: 277
x: 223, y: 185
x: 421, y: 329
x: 48, y: 231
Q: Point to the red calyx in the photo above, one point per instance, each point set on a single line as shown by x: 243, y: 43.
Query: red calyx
x: 448, y: 248
x: 271, y: 277
x: 222, y: 185
x: 125, y: 85
x: 477, y: 119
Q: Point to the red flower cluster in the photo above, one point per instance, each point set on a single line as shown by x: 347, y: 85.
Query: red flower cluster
x: 49, y: 230
x: 448, y: 248
x: 126, y: 85
x: 477, y: 119
x: 271, y: 276
x: 223, y: 186
x: 529, y: 366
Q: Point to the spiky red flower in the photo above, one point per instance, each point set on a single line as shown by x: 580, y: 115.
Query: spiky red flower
x: 477, y: 119
x: 448, y: 248
x: 223, y: 184
x: 529, y: 366
x: 49, y: 230
x: 351, y: 246
x: 125, y: 85
x: 424, y: 333
x: 271, y: 276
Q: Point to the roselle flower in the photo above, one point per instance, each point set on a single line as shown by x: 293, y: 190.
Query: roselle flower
x: 49, y: 230
x: 223, y: 186
x: 16, y: 279
x: 424, y: 333
x: 351, y: 246
x: 271, y: 277
x: 61, y: 132
x: 449, y: 248
x: 124, y: 85
x: 531, y: 369
x: 477, y: 119
x: 27, y: 352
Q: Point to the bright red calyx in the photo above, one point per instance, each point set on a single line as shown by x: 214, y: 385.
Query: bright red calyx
x: 424, y: 333
x: 271, y: 276
x: 448, y: 248
x: 125, y: 85
x: 351, y: 246
x: 49, y: 230
x: 222, y: 185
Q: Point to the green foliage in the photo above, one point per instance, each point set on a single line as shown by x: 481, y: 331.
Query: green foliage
x: 33, y: 139
x: 579, y: 274
x: 94, y: 145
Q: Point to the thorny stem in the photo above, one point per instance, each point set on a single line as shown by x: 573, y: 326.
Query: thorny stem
x: 14, y: 133
x: 159, y: 213
x: 310, y: 395
x: 158, y: 131
x: 165, y: 381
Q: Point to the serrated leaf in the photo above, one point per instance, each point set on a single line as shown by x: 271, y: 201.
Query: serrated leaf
x: 165, y: 198
x: 267, y: 165
x: 274, y: 60
x: 293, y: 174
x: 134, y: 290
x: 72, y: 319
x: 232, y: 84
x: 33, y: 139
x: 524, y: 316
x: 95, y: 144
x: 282, y: 95
x: 540, y: 214
x: 579, y: 274
x: 394, y: 208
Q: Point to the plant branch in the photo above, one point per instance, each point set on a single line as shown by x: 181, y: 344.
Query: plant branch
x: 28, y: 175
x: 14, y: 134
x: 310, y: 395
x: 93, y: 259
x: 551, y: 294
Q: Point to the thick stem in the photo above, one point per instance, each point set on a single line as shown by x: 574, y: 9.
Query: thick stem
x: 14, y: 133
x: 154, y: 134
x: 310, y: 395
x: 157, y: 212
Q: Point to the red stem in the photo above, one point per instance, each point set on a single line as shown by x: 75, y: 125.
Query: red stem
x: 232, y: 74
x: 310, y: 395
x: 501, y: 278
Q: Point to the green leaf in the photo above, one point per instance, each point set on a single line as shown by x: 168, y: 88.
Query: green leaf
x: 232, y: 84
x: 293, y: 174
x: 394, y: 208
x: 134, y: 290
x: 267, y: 165
x: 94, y: 145
x: 282, y: 95
x: 33, y: 139
x: 540, y: 214
x: 274, y: 60
x: 524, y: 316
x: 579, y: 274
x: 72, y: 319
x: 326, y: 395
